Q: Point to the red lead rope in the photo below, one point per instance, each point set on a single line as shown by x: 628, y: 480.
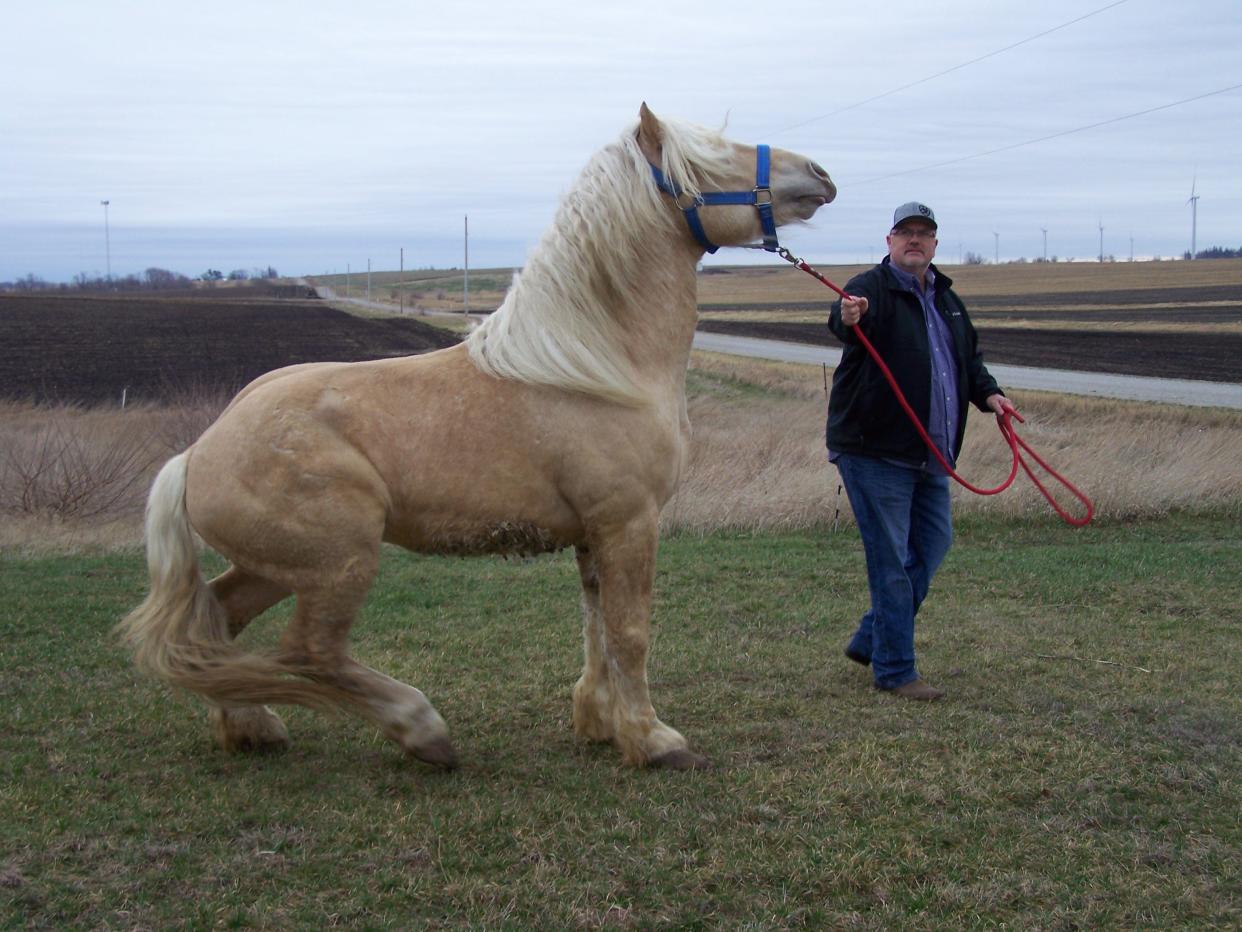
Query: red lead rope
x: 1016, y: 443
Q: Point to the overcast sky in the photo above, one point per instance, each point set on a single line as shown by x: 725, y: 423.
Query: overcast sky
x: 310, y: 136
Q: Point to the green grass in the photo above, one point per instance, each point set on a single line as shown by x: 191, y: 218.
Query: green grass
x: 1045, y: 792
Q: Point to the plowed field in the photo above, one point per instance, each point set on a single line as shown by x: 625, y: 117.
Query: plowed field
x: 1214, y: 357
x: 89, y: 349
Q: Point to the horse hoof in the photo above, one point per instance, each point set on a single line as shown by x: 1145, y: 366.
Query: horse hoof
x: 249, y: 729
x: 680, y: 759
x: 438, y: 752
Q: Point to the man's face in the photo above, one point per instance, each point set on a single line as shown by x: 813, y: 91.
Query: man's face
x: 912, y: 246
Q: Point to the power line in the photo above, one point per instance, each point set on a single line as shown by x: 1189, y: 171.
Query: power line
x: 1031, y: 142
x: 940, y: 74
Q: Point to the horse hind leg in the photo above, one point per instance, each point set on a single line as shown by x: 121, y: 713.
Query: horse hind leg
x: 402, y: 713
x: 316, y: 644
x: 244, y: 597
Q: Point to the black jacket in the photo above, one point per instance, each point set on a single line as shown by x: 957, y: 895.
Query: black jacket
x: 863, y: 414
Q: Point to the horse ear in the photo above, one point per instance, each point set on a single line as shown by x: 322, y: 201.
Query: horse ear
x: 650, y: 135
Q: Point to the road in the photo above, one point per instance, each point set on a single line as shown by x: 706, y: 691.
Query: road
x: 1099, y: 384
x: 329, y: 294
x: 1066, y: 381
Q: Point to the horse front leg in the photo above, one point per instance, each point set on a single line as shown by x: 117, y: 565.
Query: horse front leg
x: 593, y: 691
x: 625, y: 564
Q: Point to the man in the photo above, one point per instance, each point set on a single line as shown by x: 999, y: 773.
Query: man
x: 898, y: 491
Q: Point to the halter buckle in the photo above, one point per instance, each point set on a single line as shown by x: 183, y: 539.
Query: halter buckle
x: 687, y: 201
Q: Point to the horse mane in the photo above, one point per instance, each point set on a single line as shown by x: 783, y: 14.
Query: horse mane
x: 557, y: 324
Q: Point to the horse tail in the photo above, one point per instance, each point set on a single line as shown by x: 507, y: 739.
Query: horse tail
x: 180, y: 632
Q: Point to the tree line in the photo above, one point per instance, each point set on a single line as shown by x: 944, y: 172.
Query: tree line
x: 153, y: 279
x: 1215, y: 252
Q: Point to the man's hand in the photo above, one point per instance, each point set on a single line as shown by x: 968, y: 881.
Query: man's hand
x: 852, y: 310
x: 1000, y: 405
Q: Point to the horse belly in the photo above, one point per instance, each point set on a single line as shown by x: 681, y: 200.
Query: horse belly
x: 478, y: 506
x: 457, y: 537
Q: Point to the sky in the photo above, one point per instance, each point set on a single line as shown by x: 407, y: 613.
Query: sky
x: 319, y: 136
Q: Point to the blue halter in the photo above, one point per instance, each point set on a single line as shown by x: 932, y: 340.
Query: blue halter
x: 760, y: 197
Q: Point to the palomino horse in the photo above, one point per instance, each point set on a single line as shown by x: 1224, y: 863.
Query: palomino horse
x: 568, y: 404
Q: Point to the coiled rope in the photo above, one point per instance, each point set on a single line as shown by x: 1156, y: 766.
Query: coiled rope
x: 1004, y: 421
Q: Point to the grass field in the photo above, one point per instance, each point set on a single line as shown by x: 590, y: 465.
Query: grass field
x: 1084, y: 772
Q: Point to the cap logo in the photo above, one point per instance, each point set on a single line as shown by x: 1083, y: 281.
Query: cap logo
x: 916, y: 210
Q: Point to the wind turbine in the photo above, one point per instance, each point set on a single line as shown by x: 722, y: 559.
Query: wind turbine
x: 1193, y: 201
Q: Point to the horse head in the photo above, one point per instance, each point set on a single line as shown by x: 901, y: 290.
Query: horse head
x: 751, y: 190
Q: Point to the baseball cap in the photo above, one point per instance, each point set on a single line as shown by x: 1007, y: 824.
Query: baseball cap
x: 913, y: 210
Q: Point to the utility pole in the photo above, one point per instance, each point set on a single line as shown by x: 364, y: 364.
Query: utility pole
x: 1194, y: 216
x: 465, y: 282
x: 107, y: 241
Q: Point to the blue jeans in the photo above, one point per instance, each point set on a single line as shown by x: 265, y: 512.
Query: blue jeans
x: 903, y: 517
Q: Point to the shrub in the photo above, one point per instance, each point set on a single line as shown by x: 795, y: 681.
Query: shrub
x: 68, y: 465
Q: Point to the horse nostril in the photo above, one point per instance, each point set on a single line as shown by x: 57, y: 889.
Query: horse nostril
x: 818, y: 171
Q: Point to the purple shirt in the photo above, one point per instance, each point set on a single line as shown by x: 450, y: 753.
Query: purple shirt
x: 943, y: 415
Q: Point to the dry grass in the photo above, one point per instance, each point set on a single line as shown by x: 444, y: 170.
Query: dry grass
x: 74, y: 478
x: 426, y: 291
x: 1059, y: 277
x: 759, y: 461
x: 1132, y: 459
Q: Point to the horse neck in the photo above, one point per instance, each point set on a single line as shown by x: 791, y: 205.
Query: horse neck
x: 646, y: 289
x: 657, y: 310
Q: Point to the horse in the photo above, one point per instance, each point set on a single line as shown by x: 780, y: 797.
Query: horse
x: 567, y: 403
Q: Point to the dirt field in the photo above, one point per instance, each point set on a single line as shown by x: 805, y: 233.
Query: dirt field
x: 1158, y: 320
x: 1175, y: 320
x: 1214, y: 358
x: 90, y: 349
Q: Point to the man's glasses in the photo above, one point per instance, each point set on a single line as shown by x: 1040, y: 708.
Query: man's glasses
x: 914, y: 233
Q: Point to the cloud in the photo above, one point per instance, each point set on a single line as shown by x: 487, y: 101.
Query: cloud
x: 331, y: 129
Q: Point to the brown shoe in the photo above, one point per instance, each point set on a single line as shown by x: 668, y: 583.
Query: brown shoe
x: 920, y: 690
